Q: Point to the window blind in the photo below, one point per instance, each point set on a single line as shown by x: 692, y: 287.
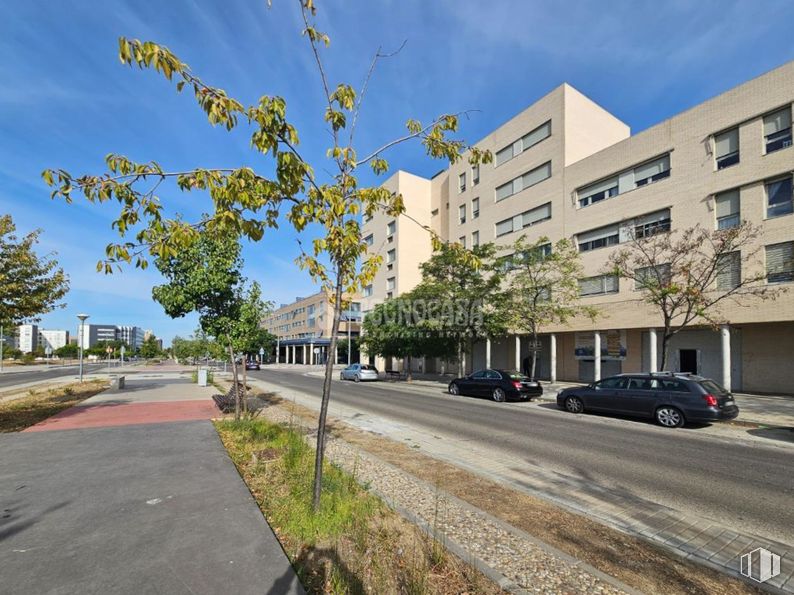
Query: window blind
x: 726, y: 143
x: 780, y: 120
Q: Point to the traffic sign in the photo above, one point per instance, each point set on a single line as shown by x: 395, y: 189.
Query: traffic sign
x: 261, y: 351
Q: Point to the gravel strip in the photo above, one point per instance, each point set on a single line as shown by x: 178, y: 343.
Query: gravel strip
x: 523, y: 561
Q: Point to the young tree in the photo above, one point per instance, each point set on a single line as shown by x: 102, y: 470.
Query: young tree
x: 205, y: 277
x: 248, y: 202
x: 150, y: 349
x: 687, y: 275
x: 70, y: 350
x: 402, y: 328
x: 30, y: 285
x: 542, y: 287
x: 464, y: 286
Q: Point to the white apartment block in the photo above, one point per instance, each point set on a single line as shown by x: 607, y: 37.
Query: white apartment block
x: 53, y: 339
x: 566, y: 168
x: 27, y: 337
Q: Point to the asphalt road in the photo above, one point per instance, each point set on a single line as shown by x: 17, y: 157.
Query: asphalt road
x: 742, y: 484
x: 14, y: 377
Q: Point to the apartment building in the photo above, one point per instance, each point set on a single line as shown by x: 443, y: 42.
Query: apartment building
x: 303, y: 328
x: 53, y: 339
x: 566, y: 168
x: 27, y: 338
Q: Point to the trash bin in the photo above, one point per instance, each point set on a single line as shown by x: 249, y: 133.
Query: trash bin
x: 202, y: 377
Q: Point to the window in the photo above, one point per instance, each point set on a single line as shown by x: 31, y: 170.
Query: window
x: 652, y: 171
x: 777, y: 130
x: 598, y: 238
x: 390, y: 240
x: 726, y: 148
x: 649, y: 225
x: 599, y: 285
x: 726, y: 206
x: 462, y: 182
x: 729, y: 271
x: 368, y: 240
x: 461, y: 214
x: 475, y: 174
x: 525, y: 142
x: 389, y: 295
x: 367, y: 218
x: 391, y: 228
x: 779, y: 200
x: 475, y: 208
x: 598, y: 192
x: 390, y: 284
x: 475, y: 239
x: 434, y: 212
x: 462, y: 240
x: 780, y: 262
x: 391, y: 255
x: 532, y: 177
x: 615, y: 382
x: 525, y: 219
x: 652, y: 277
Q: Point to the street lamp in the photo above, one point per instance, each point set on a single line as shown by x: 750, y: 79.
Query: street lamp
x: 82, y: 318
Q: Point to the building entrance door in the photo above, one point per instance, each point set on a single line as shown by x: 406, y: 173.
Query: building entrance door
x: 688, y: 360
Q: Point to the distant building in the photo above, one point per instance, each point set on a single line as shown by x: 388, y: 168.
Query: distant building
x: 53, y: 338
x: 27, y: 337
x: 97, y: 333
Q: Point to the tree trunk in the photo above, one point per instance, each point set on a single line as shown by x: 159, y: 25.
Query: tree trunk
x: 236, y: 384
x: 408, y: 373
x: 534, y: 355
x: 245, y: 387
x: 665, y: 348
x: 329, y: 370
x: 461, y: 364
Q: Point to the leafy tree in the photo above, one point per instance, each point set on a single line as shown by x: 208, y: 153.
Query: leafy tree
x: 343, y: 347
x: 542, y: 287
x: 101, y: 347
x: 70, y: 350
x: 150, y: 349
x: 464, y: 287
x: 249, y: 202
x: 403, y: 327
x: 687, y: 275
x: 30, y: 284
x: 205, y: 277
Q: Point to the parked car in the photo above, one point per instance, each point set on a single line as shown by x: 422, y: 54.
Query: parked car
x: 672, y: 399
x: 359, y: 372
x: 251, y: 365
x: 499, y: 385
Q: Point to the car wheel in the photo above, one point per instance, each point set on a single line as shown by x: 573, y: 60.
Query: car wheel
x: 453, y: 389
x: 669, y: 417
x: 498, y: 395
x: 358, y: 378
x: 574, y: 405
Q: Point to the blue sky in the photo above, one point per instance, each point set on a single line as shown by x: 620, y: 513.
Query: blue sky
x: 66, y: 101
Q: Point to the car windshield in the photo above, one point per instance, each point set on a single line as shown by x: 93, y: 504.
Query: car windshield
x: 368, y: 367
x: 713, y: 387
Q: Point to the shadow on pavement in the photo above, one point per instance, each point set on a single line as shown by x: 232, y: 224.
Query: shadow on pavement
x: 782, y: 434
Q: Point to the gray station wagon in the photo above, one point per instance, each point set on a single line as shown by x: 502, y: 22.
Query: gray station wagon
x: 672, y: 399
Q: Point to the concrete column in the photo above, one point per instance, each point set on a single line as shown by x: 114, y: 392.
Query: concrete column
x: 597, y: 354
x: 336, y: 352
x: 553, y: 357
x: 518, y: 355
x: 653, y: 356
x: 277, y: 349
x: 311, y: 354
x: 487, y: 352
x: 725, y: 335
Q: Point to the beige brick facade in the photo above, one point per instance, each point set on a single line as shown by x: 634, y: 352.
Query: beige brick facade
x: 587, y: 145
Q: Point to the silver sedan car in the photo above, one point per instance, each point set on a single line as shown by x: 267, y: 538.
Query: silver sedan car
x: 359, y: 372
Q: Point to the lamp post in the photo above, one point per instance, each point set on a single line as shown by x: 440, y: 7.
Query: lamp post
x: 82, y: 318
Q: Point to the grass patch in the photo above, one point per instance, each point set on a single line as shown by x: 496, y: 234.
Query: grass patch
x: 39, y: 404
x: 354, y: 543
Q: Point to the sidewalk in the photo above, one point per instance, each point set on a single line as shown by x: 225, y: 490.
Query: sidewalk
x: 133, y: 492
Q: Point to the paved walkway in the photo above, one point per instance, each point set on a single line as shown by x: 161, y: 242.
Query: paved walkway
x: 120, y: 495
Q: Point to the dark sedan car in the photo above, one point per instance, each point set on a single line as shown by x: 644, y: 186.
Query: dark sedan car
x: 498, y: 385
x: 251, y: 365
x: 671, y: 399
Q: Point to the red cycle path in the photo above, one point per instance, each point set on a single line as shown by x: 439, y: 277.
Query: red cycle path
x: 104, y: 415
